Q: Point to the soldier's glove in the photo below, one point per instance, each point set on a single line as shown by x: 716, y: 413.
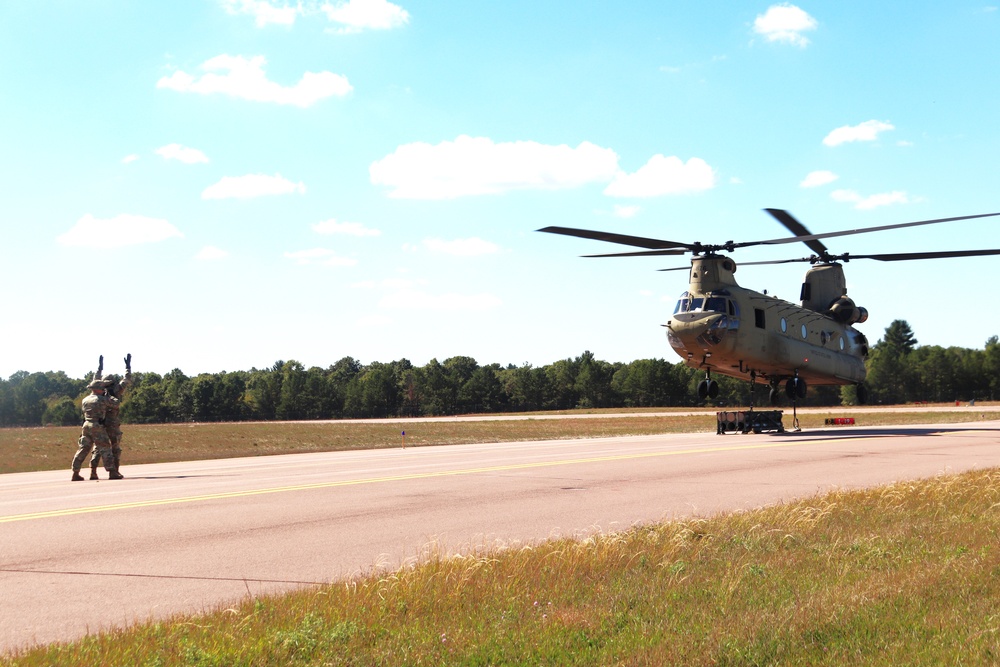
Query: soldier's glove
x: 128, y: 362
x: 100, y: 365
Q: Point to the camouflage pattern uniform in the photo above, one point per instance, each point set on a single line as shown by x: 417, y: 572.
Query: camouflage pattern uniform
x: 112, y: 421
x: 95, y: 408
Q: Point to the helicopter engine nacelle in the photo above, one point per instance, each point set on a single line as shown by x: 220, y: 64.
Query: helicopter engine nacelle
x: 845, y: 311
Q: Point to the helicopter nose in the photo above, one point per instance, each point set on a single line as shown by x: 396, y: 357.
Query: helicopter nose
x: 696, y: 331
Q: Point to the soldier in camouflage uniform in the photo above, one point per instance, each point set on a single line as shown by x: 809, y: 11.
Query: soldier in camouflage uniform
x: 95, y: 408
x: 112, y: 422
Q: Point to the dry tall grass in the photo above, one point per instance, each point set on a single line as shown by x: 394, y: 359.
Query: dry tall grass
x: 52, y: 448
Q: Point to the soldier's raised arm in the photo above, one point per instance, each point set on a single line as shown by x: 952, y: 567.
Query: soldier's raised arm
x: 100, y: 368
x: 126, y: 381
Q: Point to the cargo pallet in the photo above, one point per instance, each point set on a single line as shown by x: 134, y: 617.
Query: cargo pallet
x: 745, y: 421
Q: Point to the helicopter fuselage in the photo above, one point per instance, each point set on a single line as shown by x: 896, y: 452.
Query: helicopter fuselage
x: 721, y: 327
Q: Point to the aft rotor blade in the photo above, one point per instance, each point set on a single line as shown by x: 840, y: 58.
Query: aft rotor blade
x: 797, y: 228
x: 941, y: 254
x: 881, y: 257
x: 865, y: 230
x: 623, y: 239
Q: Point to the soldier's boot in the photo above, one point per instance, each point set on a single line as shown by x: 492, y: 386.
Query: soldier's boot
x: 93, y: 472
x: 114, y: 474
x: 77, y: 477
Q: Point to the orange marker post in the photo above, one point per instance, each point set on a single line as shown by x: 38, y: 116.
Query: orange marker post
x: 404, y: 439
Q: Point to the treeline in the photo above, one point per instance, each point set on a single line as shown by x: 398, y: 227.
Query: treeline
x: 349, y: 389
x: 899, y: 372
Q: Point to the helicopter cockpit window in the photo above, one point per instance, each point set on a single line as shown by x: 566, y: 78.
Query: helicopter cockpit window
x: 687, y: 304
x: 683, y: 303
x: 715, y: 304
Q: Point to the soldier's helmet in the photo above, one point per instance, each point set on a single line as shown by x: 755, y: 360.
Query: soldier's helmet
x: 97, y: 384
x: 112, y: 379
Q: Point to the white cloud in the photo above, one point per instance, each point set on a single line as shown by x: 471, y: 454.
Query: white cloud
x: 410, y: 299
x: 263, y: 11
x: 331, y: 226
x: 872, y: 201
x: 816, y: 178
x: 252, y: 185
x: 471, y: 247
x: 340, y: 261
x: 130, y: 158
x: 478, y: 166
x: 245, y: 78
x: 320, y: 256
x: 663, y: 176
x: 181, y: 154
x: 358, y: 15
x: 373, y: 321
x: 866, y: 131
x: 401, y: 283
x: 621, y: 211
x: 121, y: 230
x: 785, y: 23
x: 210, y: 252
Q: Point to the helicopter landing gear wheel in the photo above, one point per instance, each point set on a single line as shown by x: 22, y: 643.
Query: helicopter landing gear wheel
x: 774, y: 394
x: 862, y: 394
x: 708, y: 388
x: 795, y: 388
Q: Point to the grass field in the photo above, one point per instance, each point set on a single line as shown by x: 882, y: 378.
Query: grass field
x: 52, y: 448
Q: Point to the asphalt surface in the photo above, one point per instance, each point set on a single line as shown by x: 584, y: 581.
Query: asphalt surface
x: 190, y: 537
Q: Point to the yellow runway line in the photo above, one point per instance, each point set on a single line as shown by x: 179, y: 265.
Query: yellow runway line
x: 400, y: 478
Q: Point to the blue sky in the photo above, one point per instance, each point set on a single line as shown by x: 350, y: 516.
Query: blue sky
x: 219, y: 184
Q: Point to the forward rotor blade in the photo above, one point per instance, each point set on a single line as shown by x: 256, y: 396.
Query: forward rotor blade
x: 641, y: 253
x: 781, y: 261
x: 797, y: 228
x: 623, y: 239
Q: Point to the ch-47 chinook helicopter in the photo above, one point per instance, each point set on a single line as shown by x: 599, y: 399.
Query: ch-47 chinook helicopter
x: 721, y: 327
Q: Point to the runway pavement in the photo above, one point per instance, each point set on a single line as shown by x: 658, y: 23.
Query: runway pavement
x: 187, y: 537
